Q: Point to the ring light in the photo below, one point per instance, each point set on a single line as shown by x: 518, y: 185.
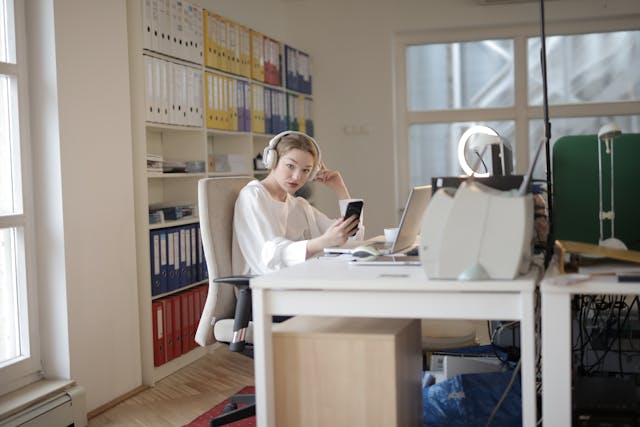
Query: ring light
x: 464, y: 140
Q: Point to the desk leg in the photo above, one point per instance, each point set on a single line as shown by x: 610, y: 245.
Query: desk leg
x: 263, y: 359
x: 528, y: 358
x: 556, y: 359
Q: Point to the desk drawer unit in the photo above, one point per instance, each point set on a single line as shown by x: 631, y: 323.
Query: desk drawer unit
x: 332, y: 371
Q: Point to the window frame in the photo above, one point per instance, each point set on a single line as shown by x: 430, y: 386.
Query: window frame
x: 28, y: 368
x: 521, y: 112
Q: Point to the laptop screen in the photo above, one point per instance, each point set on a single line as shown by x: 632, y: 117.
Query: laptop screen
x: 411, y: 220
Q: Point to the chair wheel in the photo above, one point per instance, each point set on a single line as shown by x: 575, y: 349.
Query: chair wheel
x: 229, y: 407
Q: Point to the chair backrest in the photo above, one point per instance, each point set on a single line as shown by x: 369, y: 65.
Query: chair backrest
x: 216, y: 202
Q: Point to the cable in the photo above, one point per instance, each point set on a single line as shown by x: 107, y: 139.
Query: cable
x: 504, y: 394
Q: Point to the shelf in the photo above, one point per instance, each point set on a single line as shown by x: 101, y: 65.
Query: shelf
x: 176, y: 223
x: 166, y: 126
x: 162, y: 175
x: 177, y: 291
x: 171, y: 58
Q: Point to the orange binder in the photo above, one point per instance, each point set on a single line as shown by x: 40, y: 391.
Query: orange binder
x: 157, y: 313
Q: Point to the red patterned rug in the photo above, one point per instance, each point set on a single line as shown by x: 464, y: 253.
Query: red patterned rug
x: 203, y: 420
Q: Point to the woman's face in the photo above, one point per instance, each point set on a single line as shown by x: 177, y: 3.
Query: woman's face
x: 293, y: 170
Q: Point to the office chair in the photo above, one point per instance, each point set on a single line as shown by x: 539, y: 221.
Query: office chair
x: 227, y: 311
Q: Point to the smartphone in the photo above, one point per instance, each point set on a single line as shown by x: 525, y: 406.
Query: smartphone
x: 354, y: 209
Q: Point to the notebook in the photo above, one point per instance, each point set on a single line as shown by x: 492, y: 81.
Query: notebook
x: 408, y: 229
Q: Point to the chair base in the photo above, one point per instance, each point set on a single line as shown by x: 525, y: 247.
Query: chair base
x: 232, y: 413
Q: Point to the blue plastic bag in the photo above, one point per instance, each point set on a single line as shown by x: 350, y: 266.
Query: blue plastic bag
x: 468, y: 400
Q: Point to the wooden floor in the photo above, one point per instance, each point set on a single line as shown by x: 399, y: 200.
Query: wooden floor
x: 184, y: 395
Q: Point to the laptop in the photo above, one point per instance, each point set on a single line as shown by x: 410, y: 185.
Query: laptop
x: 408, y: 229
x: 388, y: 260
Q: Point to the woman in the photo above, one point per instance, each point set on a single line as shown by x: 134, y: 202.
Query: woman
x: 272, y: 227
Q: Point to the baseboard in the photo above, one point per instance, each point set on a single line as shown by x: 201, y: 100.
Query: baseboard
x: 102, y: 408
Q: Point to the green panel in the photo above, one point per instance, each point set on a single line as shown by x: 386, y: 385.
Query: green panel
x: 576, y: 192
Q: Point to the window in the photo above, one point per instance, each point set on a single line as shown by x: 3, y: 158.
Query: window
x: 449, y: 81
x: 19, y: 359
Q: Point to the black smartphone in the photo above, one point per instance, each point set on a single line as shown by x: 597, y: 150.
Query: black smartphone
x: 354, y: 209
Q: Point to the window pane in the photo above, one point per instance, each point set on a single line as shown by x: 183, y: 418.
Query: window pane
x: 9, y: 324
x: 601, y: 67
x: 573, y: 126
x: 7, y: 40
x: 433, y: 148
x: 460, y: 75
x: 7, y: 151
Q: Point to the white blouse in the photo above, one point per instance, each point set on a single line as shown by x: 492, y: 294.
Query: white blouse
x: 269, y: 234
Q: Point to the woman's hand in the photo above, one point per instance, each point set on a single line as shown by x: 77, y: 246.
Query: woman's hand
x: 336, y: 235
x: 333, y: 179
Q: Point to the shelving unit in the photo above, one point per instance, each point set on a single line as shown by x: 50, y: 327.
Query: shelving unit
x: 176, y: 52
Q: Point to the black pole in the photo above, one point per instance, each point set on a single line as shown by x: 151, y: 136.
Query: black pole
x: 547, y: 138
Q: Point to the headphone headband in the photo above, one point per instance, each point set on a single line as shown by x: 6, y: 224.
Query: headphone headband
x: 270, y: 154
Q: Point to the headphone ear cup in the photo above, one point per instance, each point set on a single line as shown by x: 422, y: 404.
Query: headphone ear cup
x: 314, y: 173
x: 269, y: 157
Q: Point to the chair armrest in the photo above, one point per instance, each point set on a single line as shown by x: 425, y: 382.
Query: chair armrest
x: 243, y: 309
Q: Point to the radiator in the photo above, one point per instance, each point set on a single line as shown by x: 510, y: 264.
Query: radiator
x: 68, y: 408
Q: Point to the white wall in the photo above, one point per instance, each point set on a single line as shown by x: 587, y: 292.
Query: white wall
x: 85, y: 200
x: 82, y: 147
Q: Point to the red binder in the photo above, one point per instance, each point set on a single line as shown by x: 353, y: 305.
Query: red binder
x: 157, y: 313
x: 168, y: 329
x: 193, y: 303
x: 184, y: 318
x: 177, y: 320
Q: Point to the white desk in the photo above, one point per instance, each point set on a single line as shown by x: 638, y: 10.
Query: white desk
x: 557, y: 340
x: 332, y: 287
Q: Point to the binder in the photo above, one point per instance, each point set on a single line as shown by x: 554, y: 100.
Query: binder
x: 266, y: 99
x: 184, y: 321
x: 210, y: 100
x: 165, y: 88
x: 291, y: 68
x: 164, y: 12
x: 147, y: 24
x: 196, y: 32
x: 257, y: 108
x: 194, y: 301
x: 245, y: 51
x: 179, y: 87
x: 198, y: 99
x: 176, y: 30
x: 257, y: 56
x: 204, y: 273
x: 182, y: 257
x: 223, y: 51
x: 247, y: 104
x: 185, y: 233
x: 164, y: 266
x: 233, y: 103
x: 149, y: 93
x: 207, y: 30
x: 233, y: 47
x: 194, y: 253
x: 173, y: 259
x: 304, y: 73
x: 169, y: 346
x: 158, y: 285
x: 157, y: 313
x: 176, y: 320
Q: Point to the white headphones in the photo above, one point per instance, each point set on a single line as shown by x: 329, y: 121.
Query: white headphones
x: 270, y: 154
